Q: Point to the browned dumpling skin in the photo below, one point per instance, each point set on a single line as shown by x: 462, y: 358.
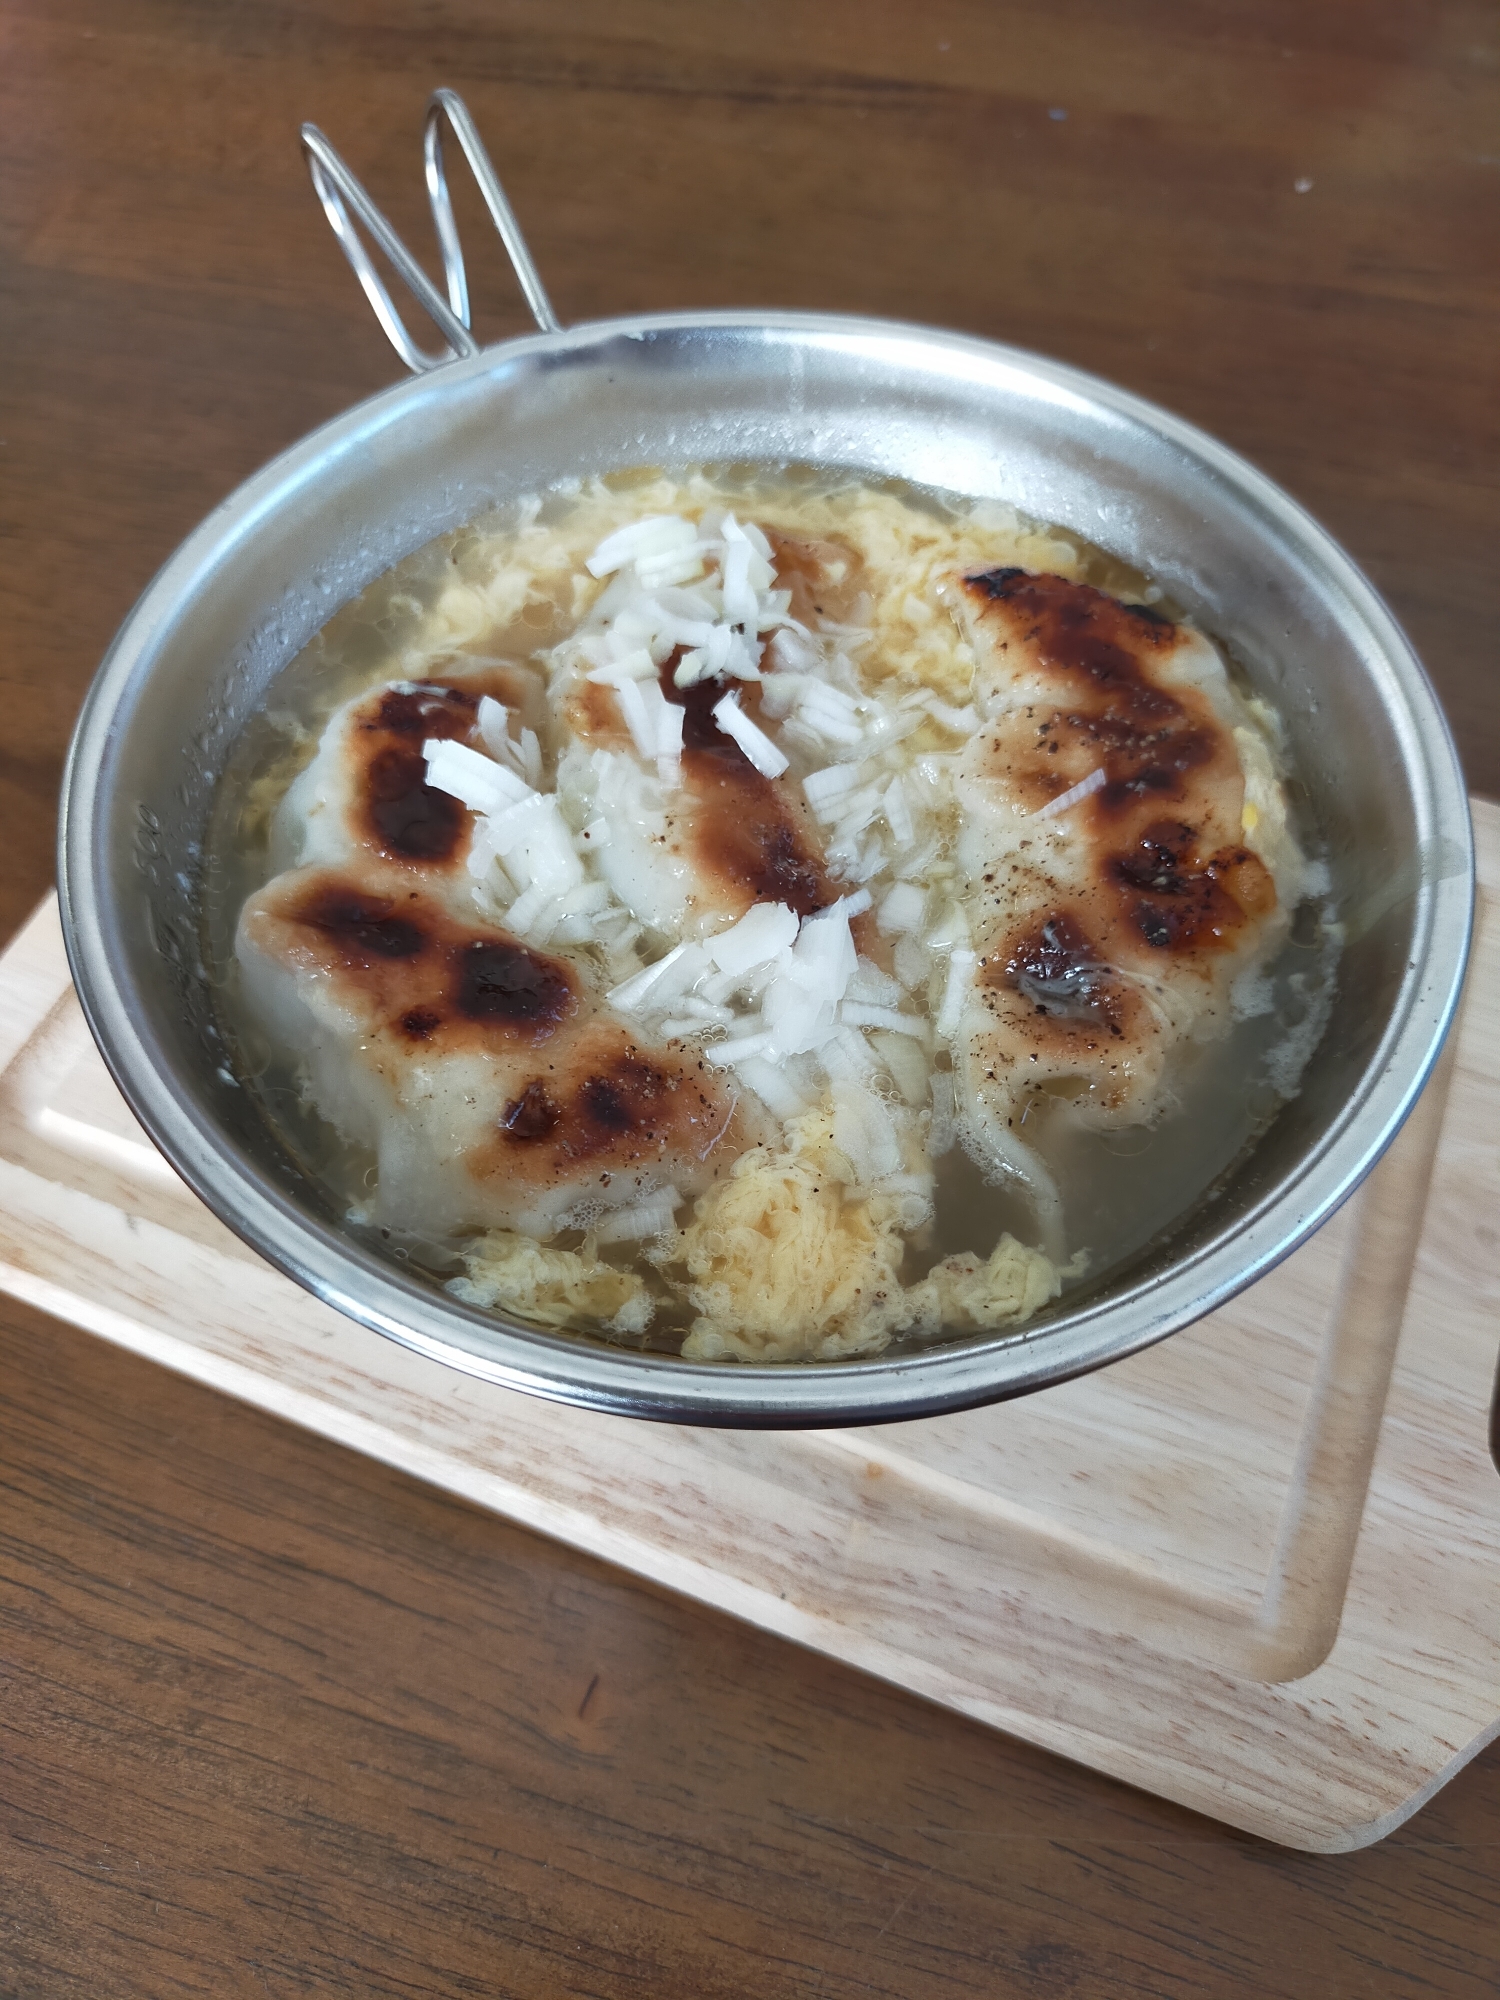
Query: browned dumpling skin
x: 365, y: 796
x: 731, y: 836
x: 1111, y: 931
x: 823, y: 575
x: 750, y: 838
x: 494, y: 1089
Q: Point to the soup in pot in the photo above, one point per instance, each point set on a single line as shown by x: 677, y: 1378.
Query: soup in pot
x: 766, y: 916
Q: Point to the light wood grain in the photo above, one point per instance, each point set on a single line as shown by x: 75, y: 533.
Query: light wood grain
x: 1256, y: 1569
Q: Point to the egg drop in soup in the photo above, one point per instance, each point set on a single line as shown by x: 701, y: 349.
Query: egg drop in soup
x: 765, y: 917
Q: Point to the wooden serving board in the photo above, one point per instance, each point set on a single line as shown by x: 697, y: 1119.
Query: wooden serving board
x: 1256, y: 1569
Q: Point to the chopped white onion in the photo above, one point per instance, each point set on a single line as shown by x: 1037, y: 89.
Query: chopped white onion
x: 637, y: 718
x: 797, y: 1019
x: 940, y: 1133
x: 534, y: 842
x: 856, y: 811
x: 758, y: 541
x: 667, y: 978
x: 722, y: 1054
x: 861, y: 1014
x: 757, y: 746
x: 915, y: 867
x: 962, y: 721
x: 583, y: 901
x: 778, y: 694
x: 775, y: 610
x: 740, y: 607
x: 526, y: 913
x: 483, y: 854
x: 903, y: 909
x: 652, y: 1217
x: 658, y: 535
x: 870, y: 862
x: 764, y: 930
x: 822, y: 698
x: 669, y: 723
x: 873, y: 986
x: 479, y: 782
x: 960, y: 965
x: 883, y: 729
x: 865, y: 1132
x: 906, y: 1059
x: 847, y: 1054
x: 494, y: 733
x: 898, y: 814
x: 795, y: 651
x: 705, y: 1013
x: 1083, y: 789
x: 828, y: 711
x: 772, y: 1087
x: 741, y: 657
x: 674, y: 566
x: 633, y: 666
x: 826, y: 790
x: 824, y: 941
x: 911, y: 962
x: 951, y: 928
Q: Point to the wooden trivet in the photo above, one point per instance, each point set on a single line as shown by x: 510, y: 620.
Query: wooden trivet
x: 1256, y: 1569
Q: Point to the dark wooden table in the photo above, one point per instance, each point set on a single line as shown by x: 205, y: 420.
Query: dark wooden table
x: 279, y: 1721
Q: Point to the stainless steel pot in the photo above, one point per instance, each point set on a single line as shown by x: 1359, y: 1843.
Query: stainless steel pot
x: 267, y: 569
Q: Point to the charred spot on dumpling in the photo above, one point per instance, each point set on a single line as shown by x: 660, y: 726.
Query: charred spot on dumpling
x: 1160, y: 769
x: 624, y: 1108
x: 1056, y: 969
x: 1179, y: 902
x: 604, y: 1102
x: 409, y: 819
x: 361, y: 925
x: 1156, y: 861
x: 1146, y: 738
x: 745, y: 830
x: 499, y: 981
x: 780, y: 870
x: 532, y: 1115
x: 419, y: 1023
x: 750, y: 840
x: 424, y: 709
x: 994, y: 583
x: 625, y: 1098
x: 699, y: 730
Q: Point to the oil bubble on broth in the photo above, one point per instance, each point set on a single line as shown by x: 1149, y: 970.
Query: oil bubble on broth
x: 765, y: 915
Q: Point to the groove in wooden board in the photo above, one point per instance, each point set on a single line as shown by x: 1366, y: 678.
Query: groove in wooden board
x: 1020, y: 1563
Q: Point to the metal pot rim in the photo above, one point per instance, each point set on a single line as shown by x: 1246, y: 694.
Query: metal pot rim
x: 784, y: 1395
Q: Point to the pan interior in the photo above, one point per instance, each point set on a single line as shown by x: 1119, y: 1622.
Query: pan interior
x: 268, y: 570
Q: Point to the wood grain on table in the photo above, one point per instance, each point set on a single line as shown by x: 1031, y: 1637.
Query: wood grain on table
x: 278, y: 1720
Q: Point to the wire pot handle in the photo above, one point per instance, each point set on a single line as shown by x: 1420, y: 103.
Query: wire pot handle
x: 346, y: 204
